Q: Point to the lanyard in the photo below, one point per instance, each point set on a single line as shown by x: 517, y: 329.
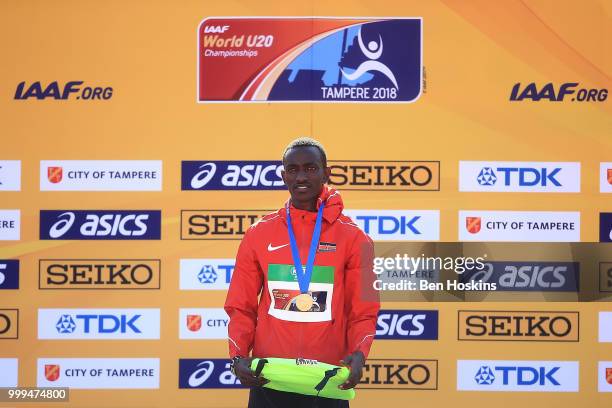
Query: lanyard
x: 304, y: 276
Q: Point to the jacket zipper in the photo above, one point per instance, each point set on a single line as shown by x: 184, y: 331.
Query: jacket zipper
x: 301, y: 327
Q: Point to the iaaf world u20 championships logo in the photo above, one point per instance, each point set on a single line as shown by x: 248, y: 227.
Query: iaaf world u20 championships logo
x: 309, y: 59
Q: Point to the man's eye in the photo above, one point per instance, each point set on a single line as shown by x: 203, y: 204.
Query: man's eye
x: 291, y: 170
x: 311, y: 168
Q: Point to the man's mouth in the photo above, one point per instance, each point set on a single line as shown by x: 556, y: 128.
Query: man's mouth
x: 302, y: 187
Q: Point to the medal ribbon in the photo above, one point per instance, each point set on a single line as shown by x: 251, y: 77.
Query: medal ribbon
x: 304, y: 276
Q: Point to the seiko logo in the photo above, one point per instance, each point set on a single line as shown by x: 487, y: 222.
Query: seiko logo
x: 9, y: 324
x: 605, y: 276
x: 99, y: 274
x: 518, y: 326
x: 386, y: 175
x: 400, y: 374
x: 218, y: 224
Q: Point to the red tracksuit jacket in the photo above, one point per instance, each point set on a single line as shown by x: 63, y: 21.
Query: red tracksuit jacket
x: 339, y: 323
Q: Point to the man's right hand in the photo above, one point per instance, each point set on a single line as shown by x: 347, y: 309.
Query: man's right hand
x: 246, y: 375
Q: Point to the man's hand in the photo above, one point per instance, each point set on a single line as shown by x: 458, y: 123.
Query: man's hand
x: 246, y: 375
x: 355, y: 362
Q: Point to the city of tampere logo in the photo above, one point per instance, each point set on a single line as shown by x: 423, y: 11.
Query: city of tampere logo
x: 194, y: 322
x: 473, y: 224
x: 55, y: 174
x: 52, y: 372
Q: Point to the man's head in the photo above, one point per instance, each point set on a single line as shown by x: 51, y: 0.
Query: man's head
x: 305, y: 171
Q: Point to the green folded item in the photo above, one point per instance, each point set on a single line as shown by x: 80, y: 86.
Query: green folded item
x: 302, y: 376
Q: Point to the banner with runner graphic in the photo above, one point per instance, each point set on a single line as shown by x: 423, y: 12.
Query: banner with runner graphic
x: 309, y: 59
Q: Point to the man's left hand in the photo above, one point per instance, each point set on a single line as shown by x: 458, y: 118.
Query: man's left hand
x: 355, y: 362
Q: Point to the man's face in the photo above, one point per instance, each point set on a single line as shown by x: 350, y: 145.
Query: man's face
x: 304, y: 173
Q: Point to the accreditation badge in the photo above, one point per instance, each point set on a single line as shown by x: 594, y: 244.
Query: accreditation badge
x: 286, y: 298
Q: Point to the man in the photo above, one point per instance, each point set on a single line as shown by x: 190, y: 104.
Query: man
x: 322, y: 316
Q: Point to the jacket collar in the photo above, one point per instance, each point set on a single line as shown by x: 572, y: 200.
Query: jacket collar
x: 332, y: 210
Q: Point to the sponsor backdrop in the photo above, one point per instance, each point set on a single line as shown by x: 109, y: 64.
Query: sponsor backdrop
x: 141, y: 139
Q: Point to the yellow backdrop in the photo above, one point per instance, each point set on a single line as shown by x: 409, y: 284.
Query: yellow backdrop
x: 474, y: 52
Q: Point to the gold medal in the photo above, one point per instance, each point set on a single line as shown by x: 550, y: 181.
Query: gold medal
x: 304, y: 302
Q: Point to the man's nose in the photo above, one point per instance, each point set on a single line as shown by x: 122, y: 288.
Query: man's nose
x: 300, y: 176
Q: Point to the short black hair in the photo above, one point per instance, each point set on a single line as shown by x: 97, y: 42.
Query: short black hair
x: 306, y: 142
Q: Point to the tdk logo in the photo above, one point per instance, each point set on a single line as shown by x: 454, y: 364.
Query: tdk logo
x: 209, y: 373
x: 523, y: 176
x: 100, y: 224
x: 518, y: 375
x: 216, y: 29
x: 485, y: 376
x: 549, y: 93
x: 206, y: 274
x: 487, y: 177
x: 398, y: 225
x: 407, y: 325
x: 65, y: 324
x: 545, y: 177
x: 538, y: 376
x: 70, y: 90
x: 385, y: 224
x: 89, y: 324
x: 232, y: 175
x: 98, y: 324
